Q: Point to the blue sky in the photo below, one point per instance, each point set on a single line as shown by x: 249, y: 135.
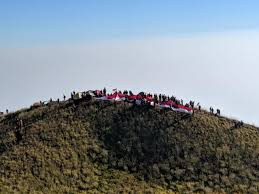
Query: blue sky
x: 31, y: 22
x: 200, y: 50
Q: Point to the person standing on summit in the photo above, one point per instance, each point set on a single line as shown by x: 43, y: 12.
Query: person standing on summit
x: 104, y: 91
x: 218, y: 112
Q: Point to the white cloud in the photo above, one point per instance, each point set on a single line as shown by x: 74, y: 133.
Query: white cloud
x: 215, y: 69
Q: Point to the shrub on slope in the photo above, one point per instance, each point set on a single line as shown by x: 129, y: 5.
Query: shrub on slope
x: 101, y: 147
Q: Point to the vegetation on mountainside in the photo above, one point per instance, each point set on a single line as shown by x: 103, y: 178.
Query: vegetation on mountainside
x: 91, y: 147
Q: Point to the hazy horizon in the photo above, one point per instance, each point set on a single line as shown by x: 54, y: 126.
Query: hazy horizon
x: 207, y: 52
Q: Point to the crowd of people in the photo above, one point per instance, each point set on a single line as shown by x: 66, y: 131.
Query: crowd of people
x: 142, y: 98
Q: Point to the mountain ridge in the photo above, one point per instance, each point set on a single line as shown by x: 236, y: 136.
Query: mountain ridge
x: 88, y: 146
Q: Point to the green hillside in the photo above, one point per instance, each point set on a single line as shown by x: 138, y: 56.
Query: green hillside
x: 102, y: 147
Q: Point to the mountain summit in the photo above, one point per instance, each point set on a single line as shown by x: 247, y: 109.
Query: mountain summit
x: 95, y: 146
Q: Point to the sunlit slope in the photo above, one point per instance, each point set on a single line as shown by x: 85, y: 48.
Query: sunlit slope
x: 97, y: 147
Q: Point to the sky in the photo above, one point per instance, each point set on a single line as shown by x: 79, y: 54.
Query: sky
x: 206, y: 51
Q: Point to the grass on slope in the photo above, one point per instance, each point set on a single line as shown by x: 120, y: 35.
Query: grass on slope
x: 106, y: 148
